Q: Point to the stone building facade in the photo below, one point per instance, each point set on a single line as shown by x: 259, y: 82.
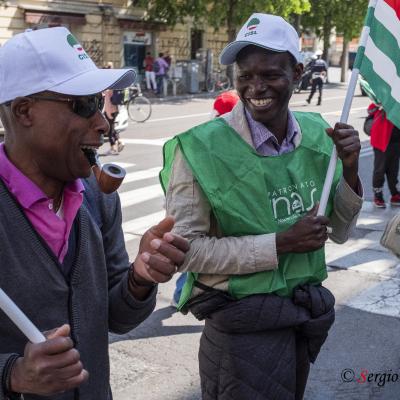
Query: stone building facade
x: 110, y: 31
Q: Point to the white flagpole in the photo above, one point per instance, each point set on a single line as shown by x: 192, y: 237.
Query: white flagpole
x: 20, y: 319
x: 343, y: 118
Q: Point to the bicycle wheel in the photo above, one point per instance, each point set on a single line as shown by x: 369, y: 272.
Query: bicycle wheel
x: 139, y: 109
x: 210, y: 85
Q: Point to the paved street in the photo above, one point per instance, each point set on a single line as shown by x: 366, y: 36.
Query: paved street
x: 158, y: 360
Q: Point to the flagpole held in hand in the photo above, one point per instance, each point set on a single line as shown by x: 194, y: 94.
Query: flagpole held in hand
x: 343, y: 118
x: 20, y: 319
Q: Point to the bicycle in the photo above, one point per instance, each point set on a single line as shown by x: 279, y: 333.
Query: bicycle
x: 137, y: 105
x: 218, y: 82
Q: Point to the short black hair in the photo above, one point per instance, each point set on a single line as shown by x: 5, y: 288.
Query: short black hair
x: 160, y: 54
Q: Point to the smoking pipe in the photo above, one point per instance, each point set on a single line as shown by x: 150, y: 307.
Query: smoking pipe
x: 109, y: 176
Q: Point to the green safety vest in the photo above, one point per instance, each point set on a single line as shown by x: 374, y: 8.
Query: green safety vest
x: 251, y: 194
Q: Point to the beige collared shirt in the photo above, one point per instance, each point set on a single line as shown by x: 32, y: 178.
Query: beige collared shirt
x: 215, y: 256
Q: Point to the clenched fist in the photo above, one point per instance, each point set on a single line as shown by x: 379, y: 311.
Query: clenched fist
x: 49, y: 367
x: 307, y: 234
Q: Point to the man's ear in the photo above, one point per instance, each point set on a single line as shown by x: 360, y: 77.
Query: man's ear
x: 21, y: 110
x: 298, y: 72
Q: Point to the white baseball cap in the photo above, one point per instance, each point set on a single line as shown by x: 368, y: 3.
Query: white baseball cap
x: 52, y: 59
x: 267, y: 31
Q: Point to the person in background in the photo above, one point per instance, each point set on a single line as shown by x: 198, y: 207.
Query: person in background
x: 385, y: 140
x: 223, y: 104
x: 160, y: 68
x: 63, y: 256
x: 319, y: 71
x: 111, y: 112
x: 168, y: 59
x: 149, y: 73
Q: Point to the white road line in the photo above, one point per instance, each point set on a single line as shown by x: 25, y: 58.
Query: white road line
x: 143, y: 174
x: 136, y: 196
x: 123, y: 164
x: 140, y: 225
x: 150, y: 142
x: 209, y: 113
x: 178, y: 117
x: 301, y: 102
x: 160, y: 142
x: 366, y: 152
x: 383, y: 298
x: 352, y: 111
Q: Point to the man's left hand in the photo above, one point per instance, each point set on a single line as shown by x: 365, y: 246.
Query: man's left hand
x: 347, y: 144
x: 348, y: 147
x: 160, y: 254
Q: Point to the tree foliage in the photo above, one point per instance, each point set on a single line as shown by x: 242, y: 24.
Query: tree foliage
x: 346, y: 16
x: 349, y: 17
x: 219, y: 13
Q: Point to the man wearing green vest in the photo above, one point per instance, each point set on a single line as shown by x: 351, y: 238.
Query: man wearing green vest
x: 244, y: 189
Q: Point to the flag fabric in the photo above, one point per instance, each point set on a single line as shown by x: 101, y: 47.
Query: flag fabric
x: 379, y: 60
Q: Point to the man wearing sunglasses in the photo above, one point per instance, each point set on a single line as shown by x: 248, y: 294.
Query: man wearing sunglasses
x: 63, y: 258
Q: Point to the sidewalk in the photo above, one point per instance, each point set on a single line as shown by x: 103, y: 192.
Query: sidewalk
x: 158, y: 360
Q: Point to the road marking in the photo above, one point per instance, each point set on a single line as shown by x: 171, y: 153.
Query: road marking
x: 299, y: 103
x: 149, y: 142
x: 383, y: 298
x: 124, y: 165
x: 136, y: 196
x: 138, y: 226
x: 143, y: 174
x: 352, y: 111
x: 179, y: 117
x: 209, y: 113
x: 366, y: 152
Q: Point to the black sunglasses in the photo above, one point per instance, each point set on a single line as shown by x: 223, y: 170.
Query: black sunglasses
x: 85, y: 106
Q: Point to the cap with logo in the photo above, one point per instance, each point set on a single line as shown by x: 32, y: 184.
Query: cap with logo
x: 52, y: 59
x: 267, y: 31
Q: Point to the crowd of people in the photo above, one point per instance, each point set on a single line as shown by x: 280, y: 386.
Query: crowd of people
x: 242, y: 222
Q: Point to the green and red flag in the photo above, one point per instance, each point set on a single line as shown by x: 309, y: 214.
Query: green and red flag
x: 379, y: 59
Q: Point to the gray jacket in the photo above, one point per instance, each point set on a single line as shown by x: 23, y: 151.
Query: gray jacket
x: 94, y: 299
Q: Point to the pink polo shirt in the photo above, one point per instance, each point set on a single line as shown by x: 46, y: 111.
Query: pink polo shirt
x: 38, y: 207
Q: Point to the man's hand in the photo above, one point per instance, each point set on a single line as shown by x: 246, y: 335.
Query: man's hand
x: 160, y: 254
x: 307, y: 234
x: 348, y: 149
x: 50, y: 367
